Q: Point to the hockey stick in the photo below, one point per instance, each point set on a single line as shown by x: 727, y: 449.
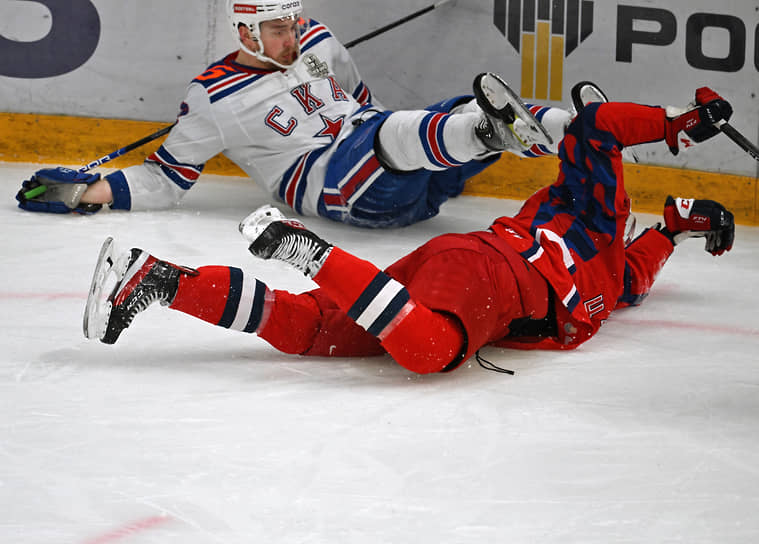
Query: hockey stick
x: 127, y: 148
x: 399, y: 22
x: 730, y: 131
x: 165, y: 130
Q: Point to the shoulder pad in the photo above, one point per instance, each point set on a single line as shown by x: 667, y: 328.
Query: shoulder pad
x: 217, y: 72
x: 314, y: 33
x: 226, y: 76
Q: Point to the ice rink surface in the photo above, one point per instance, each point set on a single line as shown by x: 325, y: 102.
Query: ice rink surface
x: 187, y: 433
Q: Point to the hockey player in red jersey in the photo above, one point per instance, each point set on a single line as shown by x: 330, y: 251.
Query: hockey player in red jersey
x: 291, y: 110
x: 546, y: 278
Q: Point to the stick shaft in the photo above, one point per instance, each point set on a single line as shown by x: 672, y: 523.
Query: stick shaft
x: 394, y: 24
x: 127, y: 148
x: 730, y: 131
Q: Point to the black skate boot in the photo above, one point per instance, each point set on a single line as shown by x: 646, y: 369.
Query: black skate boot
x: 272, y: 236
x: 138, y: 279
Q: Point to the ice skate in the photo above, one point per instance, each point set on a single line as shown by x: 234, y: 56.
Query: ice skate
x: 587, y: 92
x: 508, y: 123
x: 124, y: 286
x: 273, y: 236
x: 584, y: 93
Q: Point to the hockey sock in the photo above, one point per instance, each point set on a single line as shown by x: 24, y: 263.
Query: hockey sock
x: 224, y: 296
x: 293, y: 322
x: 411, y: 140
x: 425, y: 341
x: 307, y: 323
x: 311, y: 324
x: 416, y: 337
x: 555, y: 121
x: 631, y: 124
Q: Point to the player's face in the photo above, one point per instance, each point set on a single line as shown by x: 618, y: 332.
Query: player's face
x: 280, y: 40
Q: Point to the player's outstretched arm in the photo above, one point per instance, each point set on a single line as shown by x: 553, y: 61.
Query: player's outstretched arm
x: 63, y: 190
x: 698, y: 121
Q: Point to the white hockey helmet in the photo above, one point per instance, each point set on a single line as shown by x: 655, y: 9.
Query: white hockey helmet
x: 252, y: 13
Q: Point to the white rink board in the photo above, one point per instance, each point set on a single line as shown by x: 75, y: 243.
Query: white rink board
x: 187, y: 433
x: 145, y: 58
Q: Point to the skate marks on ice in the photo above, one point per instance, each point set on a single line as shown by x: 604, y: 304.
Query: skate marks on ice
x: 183, y: 432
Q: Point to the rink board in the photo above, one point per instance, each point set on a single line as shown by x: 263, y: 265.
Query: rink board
x: 72, y: 141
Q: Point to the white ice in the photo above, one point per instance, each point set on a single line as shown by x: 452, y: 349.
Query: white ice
x: 188, y: 433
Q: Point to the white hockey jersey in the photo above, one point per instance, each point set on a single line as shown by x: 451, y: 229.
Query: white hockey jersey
x: 264, y: 121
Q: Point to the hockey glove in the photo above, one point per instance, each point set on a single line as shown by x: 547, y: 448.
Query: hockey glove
x: 689, y: 218
x: 697, y: 120
x: 57, y: 190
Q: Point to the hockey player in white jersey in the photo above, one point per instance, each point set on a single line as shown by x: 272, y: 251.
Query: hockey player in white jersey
x: 290, y: 108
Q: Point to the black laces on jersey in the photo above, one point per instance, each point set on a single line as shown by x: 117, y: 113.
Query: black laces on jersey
x: 487, y: 365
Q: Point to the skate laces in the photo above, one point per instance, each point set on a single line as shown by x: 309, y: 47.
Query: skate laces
x: 153, y: 287
x: 498, y: 135
x: 141, y: 303
x: 302, y: 252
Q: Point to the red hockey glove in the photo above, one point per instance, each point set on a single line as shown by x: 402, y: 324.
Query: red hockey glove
x: 689, y: 218
x: 697, y: 120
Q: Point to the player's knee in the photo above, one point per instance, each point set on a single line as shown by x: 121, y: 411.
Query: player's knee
x: 425, y: 341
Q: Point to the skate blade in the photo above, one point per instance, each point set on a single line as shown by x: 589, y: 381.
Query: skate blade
x: 108, y: 273
x: 254, y: 224
x: 586, y: 92
x: 501, y: 95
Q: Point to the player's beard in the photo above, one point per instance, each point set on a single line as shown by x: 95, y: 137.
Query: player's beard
x: 288, y: 57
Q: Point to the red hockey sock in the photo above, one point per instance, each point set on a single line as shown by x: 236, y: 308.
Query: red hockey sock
x: 223, y: 296
x: 417, y: 338
x: 425, y: 341
x: 293, y: 322
x: 343, y: 277
x: 632, y: 123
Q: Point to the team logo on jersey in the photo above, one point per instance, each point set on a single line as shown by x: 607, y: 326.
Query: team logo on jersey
x: 284, y: 128
x: 544, y: 32
x: 332, y: 127
x: 315, y: 66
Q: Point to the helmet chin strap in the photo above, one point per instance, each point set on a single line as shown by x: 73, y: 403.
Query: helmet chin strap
x: 263, y: 58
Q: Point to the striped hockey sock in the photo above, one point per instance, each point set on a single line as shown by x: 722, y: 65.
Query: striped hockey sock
x: 224, y: 296
x: 418, y: 339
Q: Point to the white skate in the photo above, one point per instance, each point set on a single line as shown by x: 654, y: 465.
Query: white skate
x: 254, y: 224
x: 109, y: 271
x: 587, y: 92
x: 506, y: 111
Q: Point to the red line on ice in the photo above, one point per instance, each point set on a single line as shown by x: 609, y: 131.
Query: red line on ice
x: 41, y: 296
x: 129, y: 529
